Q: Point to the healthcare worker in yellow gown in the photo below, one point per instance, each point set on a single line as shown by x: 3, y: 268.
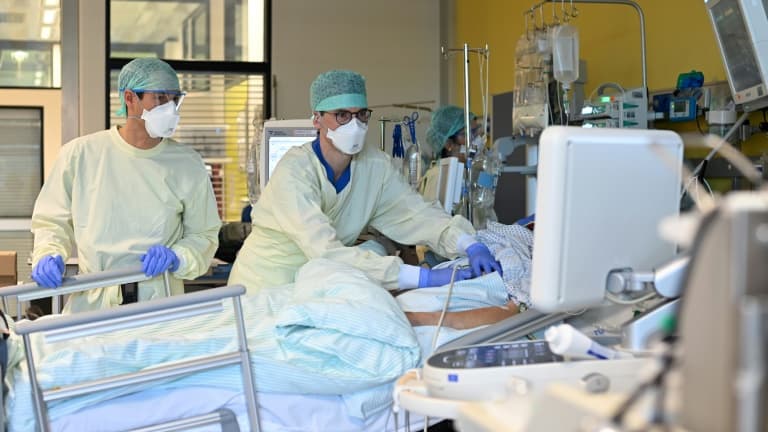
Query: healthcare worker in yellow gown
x: 323, y: 194
x: 127, y: 196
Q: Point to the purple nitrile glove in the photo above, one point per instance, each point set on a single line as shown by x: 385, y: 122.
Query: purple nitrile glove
x: 49, y: 271
x: 440, y: 277
x: 482, y: 261
x: 158, y: 259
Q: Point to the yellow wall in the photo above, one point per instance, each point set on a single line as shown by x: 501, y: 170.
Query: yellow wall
x: 679, y: 38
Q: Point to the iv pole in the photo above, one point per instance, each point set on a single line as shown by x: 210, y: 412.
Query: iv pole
x: 471, y: 150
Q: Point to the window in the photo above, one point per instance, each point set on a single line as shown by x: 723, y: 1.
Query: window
x: 188, y: 29
x: 21, y: 154
x: 218, y: 47
x: 30, y: 44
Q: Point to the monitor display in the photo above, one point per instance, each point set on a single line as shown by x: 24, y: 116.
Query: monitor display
x: 741, y: 27
x: 442, y: 182
x: 601, y: 194
x: 278, y: 137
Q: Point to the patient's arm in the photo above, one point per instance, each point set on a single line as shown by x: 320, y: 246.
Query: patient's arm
x: 465, y: 319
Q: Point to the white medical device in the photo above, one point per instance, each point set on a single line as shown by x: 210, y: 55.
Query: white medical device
x: 443, y: 181
x: 741, y: 27
x: 493, y: 372
x: 601, y: 194
x: 278, y: 137
x: 474, y: 372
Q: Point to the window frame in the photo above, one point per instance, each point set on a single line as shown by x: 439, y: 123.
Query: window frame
x: 41, y: 110
x: 263, y: 68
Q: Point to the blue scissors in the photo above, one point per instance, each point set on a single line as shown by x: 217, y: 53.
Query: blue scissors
x: 411, y: 123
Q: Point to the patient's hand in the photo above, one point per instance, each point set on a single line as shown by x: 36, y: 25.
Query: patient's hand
x: 465, y: 319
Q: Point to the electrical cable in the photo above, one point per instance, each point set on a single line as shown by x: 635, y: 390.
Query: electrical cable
x: 736, y: 158
x: 616, y: 299
x: 445, y: 307
x: 731, y: 131
x: 606, y: 85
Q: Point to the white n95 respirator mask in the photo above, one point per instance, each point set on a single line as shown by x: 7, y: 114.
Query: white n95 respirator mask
x: 349, y: 138
x: 161, y: 122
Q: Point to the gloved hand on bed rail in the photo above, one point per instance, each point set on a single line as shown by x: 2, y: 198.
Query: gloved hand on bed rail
x: 49, y: 271
x: 440, y: 277
x: 158, y: 259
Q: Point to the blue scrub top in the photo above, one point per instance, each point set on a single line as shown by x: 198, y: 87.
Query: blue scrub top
x: 345, y: 176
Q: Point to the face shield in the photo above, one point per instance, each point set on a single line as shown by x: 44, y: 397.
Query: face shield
x: 162, y: 97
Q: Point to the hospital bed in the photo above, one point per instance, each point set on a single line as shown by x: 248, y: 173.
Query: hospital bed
x: 164, y: 408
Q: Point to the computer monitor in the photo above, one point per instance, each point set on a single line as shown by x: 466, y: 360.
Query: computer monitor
x: 741, y: 27
x: 443, y: 181
x: 278, y: 137
x: 601, y: 194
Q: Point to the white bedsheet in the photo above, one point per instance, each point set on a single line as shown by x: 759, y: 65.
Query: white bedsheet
x: 337, y: 339
x: 279, y: 412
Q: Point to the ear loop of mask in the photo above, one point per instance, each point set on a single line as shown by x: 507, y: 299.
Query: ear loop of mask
x: 138, y: 117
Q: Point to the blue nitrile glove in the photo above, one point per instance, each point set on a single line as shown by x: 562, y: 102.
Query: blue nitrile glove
x: 49, y: 271
x: 526, y: 221
x: 440, y: 277
x: 159, y: 259
x: 481, y: 261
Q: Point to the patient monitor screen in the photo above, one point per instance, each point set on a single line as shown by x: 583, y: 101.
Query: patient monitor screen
x: 601, y: 194
x: 278, y: 137
x: 278, y: 146
x: 736, y: 43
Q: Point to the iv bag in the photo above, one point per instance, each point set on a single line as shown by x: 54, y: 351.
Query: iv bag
x: 565, y: 54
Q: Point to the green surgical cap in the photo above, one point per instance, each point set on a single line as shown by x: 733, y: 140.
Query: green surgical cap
x: 338, y: 89
x: 446, y: 121
x: 146, y: 75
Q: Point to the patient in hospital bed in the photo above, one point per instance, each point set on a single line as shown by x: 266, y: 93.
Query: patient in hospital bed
x: 334, y: 332
x: 512, y: 245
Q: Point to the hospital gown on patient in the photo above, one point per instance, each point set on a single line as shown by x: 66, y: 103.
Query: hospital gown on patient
x: 512, y: 245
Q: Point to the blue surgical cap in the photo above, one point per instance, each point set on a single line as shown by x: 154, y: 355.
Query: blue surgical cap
x: 338, y: 89
x: 146, y: 75
x: 446, y: 122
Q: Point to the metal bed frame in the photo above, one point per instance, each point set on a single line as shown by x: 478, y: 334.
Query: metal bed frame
x: 66, y: 327
x: 81, y: 282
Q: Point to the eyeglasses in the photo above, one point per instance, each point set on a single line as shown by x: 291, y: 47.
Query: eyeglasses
x: 162, y: 98
x: 344, y: 117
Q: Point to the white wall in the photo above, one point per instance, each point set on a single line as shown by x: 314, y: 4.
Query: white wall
x: 395, y: 44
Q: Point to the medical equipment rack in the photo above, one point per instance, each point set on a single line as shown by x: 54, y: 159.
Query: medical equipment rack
x: 65, y: 327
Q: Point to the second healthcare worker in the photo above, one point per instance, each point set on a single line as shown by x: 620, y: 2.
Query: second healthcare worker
x: 129, y: 195
x: 323, y: 194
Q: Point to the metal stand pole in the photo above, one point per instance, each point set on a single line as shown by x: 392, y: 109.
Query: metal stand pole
x: 468, y: 138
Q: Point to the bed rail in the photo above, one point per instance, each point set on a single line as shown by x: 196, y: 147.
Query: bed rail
x: 82, y: 282
x: 64, y: 327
